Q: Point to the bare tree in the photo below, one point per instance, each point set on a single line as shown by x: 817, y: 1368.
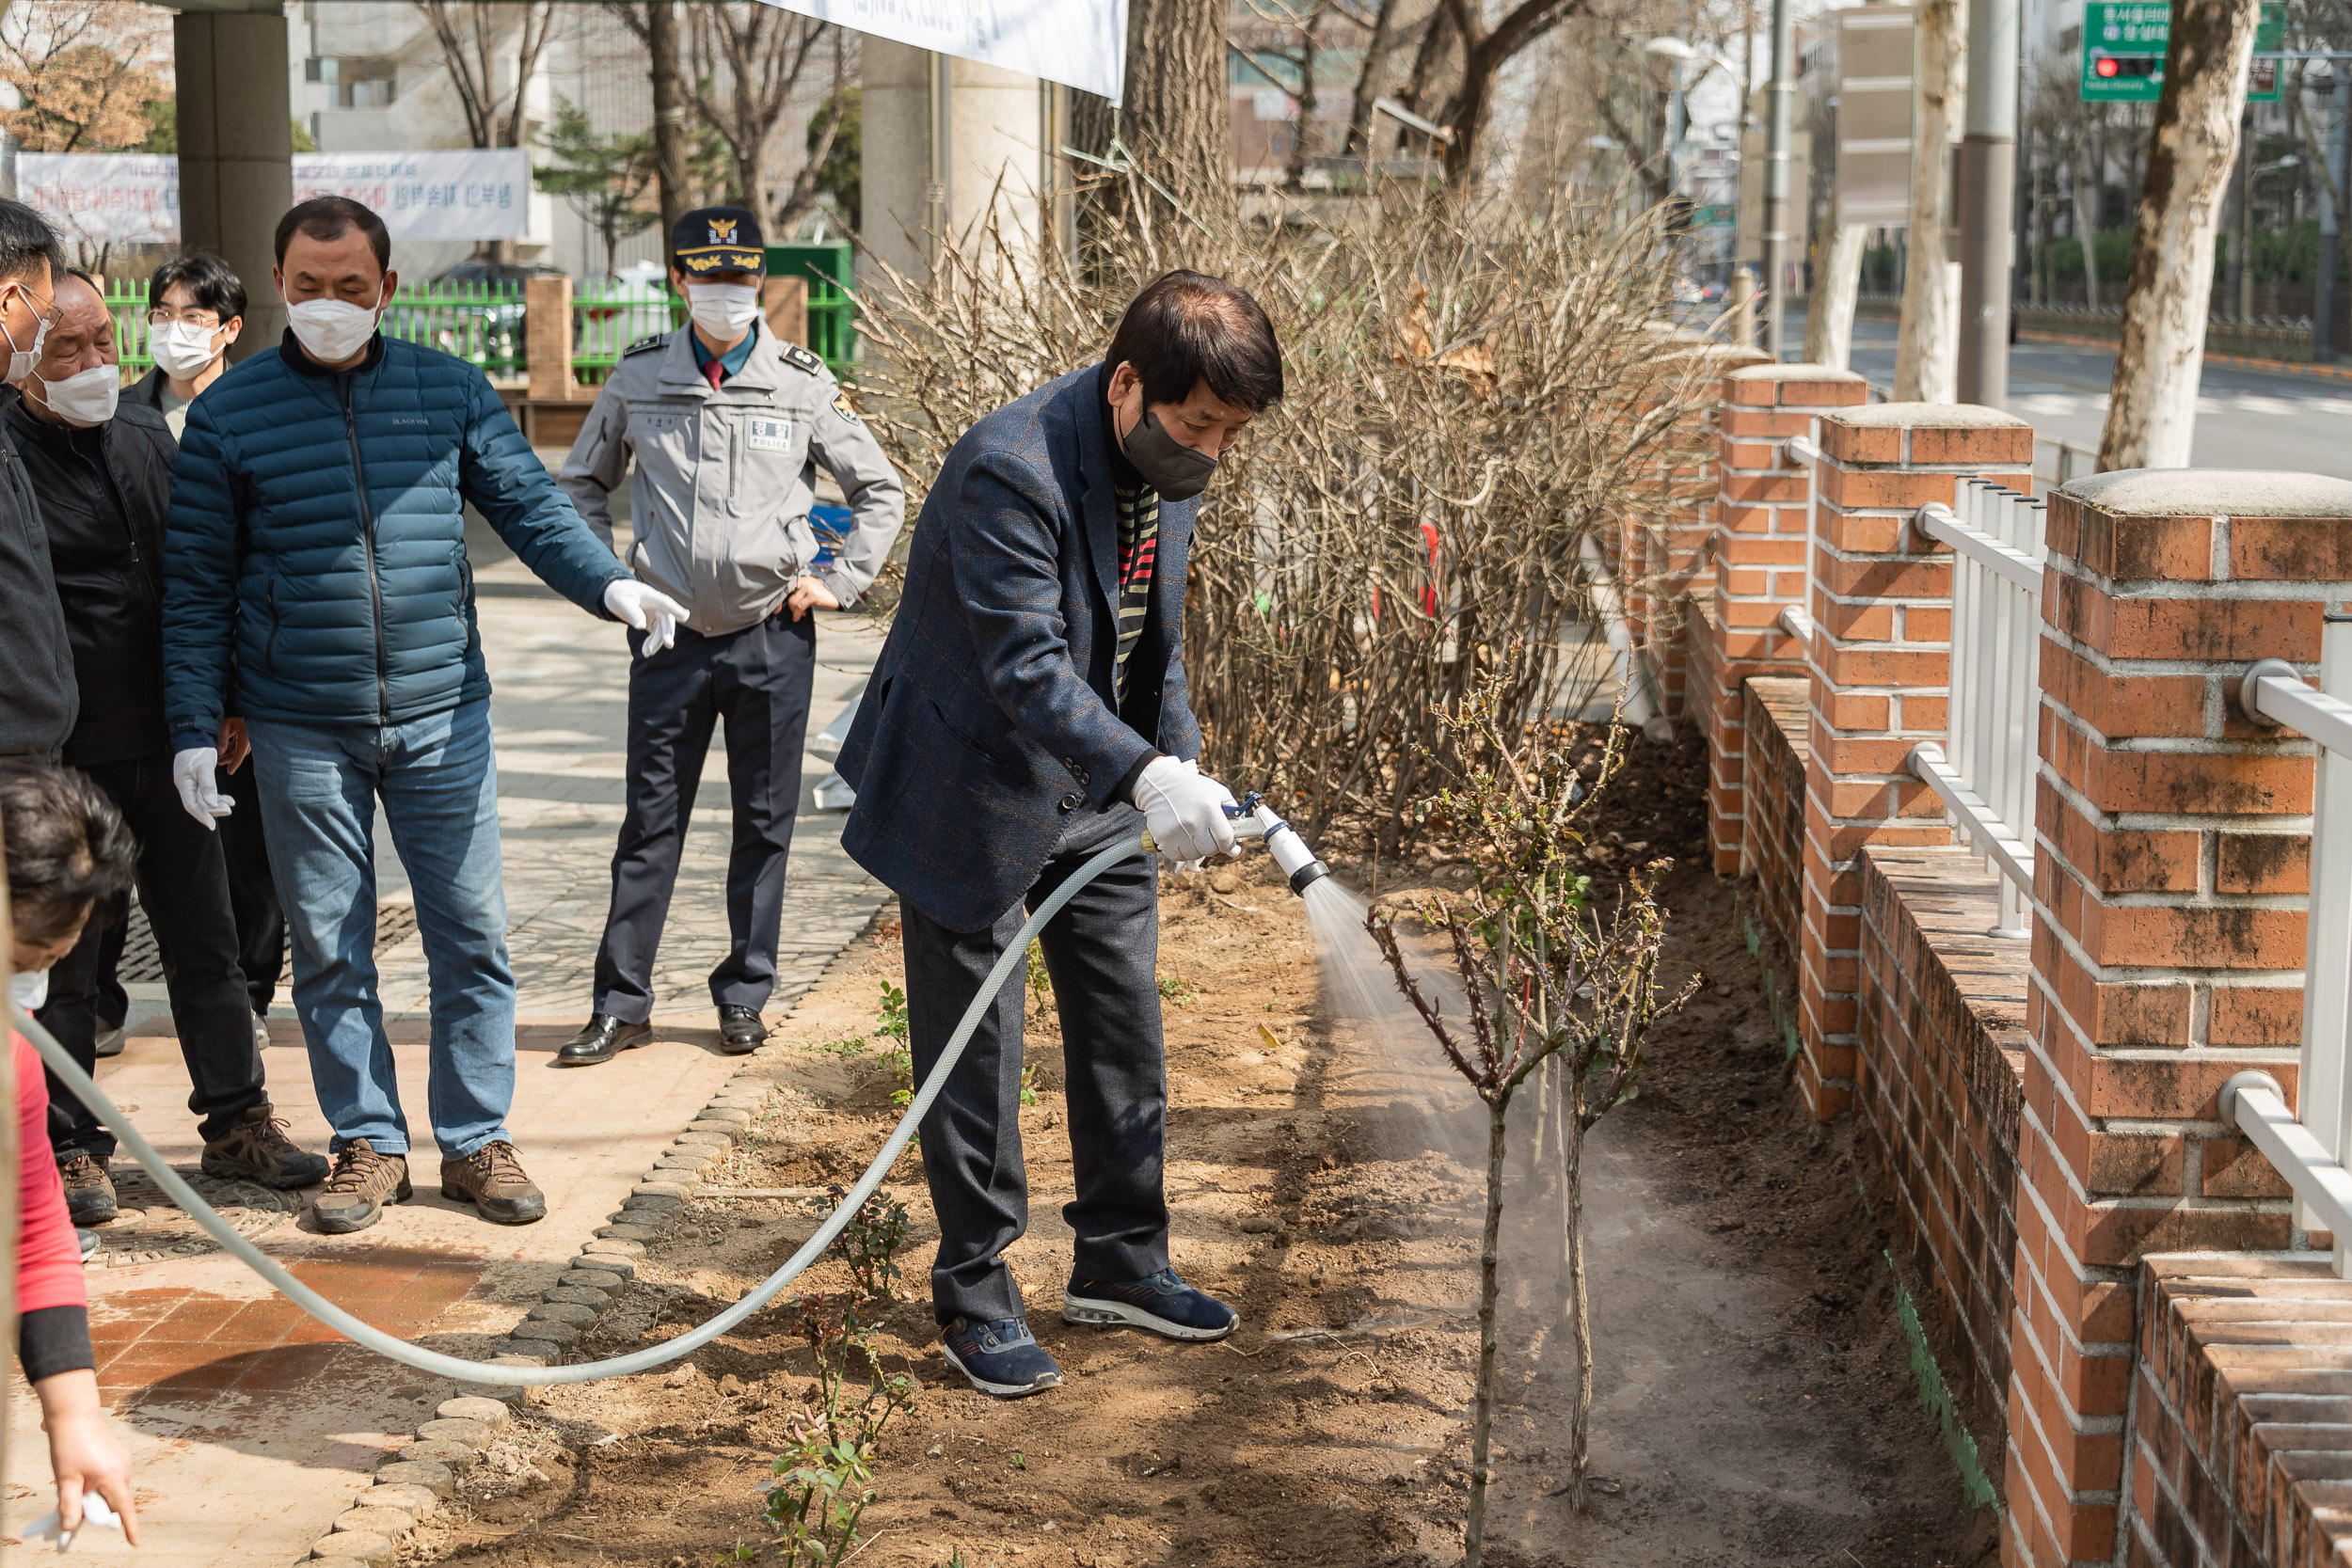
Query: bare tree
x: 825, y: 128
x: 1295, y: 54
x: 474, y: 44
x: 1369, y: 76
x: 1927, y: 347
x: 84, y: 73
x: 2151, y: 407
x: 1486, y: 50
x: 1178, y: 103
x: 748, y: 59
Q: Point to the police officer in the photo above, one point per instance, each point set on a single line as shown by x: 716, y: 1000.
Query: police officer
x: 726, y: 423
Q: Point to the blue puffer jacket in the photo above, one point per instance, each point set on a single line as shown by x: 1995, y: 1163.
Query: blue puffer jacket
x: 316, y: 553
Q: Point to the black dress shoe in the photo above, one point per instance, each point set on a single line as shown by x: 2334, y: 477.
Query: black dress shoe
x: 605, y: 1037
x: 739, y: 1030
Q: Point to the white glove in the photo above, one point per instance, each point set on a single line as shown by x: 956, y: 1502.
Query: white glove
x: 193, y: 775
x: 1185, y: 810
x: 648, y: 610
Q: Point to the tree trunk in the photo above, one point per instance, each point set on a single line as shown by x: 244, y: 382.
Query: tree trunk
x: 2152, y: 408
x: 1490, y: 1287
x: 1295, y: 175
x: 669, y: 116
x: 1368, y: 81
x: 1178, y: 113
x: 1926, y: 351
x: 1829, y: 320
x: 2242, y: 249
x: 1580, y: 1304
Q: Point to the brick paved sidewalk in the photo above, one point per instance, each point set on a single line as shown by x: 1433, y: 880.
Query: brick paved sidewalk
x: 250, y: 1425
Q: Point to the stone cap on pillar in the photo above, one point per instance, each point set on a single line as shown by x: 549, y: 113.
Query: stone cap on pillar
x: 2206, y: 525
x: 1963, y: 434
x: 1761, y: 384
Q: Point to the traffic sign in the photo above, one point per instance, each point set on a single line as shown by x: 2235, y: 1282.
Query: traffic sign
x: 2124, y: 45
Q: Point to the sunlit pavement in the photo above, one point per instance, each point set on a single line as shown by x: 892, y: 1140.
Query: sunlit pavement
x: 250, y: 1425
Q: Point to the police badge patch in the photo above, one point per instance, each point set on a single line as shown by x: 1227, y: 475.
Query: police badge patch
x: 841, y: 406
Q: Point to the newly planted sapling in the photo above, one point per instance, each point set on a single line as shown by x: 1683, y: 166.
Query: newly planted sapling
x: 1551, y: 977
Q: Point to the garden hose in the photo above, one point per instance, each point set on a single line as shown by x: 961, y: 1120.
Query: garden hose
x: 1289, y: 851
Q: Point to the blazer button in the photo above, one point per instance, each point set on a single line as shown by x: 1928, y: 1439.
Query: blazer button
x: 1070, y: 802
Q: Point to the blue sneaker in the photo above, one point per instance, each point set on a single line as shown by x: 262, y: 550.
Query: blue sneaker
x: 1002, y: 1358
x: 1163, y: 1303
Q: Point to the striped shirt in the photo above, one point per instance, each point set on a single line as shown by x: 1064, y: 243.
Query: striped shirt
x: 1138, y: 547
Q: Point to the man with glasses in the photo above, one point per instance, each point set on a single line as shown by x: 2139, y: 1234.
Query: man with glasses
x: 195, y: 310
x: 103, y: 468
x: 37, y: 700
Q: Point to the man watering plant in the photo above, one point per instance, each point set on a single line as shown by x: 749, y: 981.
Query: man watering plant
x: 1029, y: 710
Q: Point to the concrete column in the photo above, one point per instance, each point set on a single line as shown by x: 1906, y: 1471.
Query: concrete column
x: 236, y: 151
x: 1881, y: 662
x: 1763, y: 506
x: 2172, y: 870
x: 947, y: 138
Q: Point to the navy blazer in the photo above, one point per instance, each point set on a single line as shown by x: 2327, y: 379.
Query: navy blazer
x: 990, y: 716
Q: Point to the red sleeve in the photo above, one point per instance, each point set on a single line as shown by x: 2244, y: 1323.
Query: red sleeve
x: 48, y: 1258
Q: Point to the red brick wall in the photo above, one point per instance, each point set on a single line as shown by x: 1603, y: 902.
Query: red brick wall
x: 1937, y: 1090
x: 1772, y: 846
x: 2242, y: 1416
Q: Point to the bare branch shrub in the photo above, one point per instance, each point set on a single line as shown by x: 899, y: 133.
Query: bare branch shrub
x: 1470, y: 394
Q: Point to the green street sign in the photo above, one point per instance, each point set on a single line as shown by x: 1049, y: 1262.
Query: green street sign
x: 2124, y: 45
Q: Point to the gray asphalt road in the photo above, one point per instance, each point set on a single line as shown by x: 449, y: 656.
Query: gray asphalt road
x: 2246, y: 419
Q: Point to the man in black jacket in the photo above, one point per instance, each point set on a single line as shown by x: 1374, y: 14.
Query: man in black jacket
x: 103, y: 468
x: 37, y: 705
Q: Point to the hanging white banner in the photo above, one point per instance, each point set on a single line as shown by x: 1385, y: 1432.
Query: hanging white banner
x: 103, y: 197
x: 134, y: 197
x: 478, y: 193
x: 1079, y: 43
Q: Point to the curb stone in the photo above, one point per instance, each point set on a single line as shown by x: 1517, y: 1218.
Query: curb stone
x: 410, y: 1482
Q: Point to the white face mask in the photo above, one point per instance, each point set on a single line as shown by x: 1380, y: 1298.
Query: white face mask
x: 29, y: 988
x: 22, y: 360
x: 85, y: 398
x: 723, y: 310
x: 182, y: 349
x: 332, y: 330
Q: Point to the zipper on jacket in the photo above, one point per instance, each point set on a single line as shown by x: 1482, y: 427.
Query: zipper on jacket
x: 269, y: 644
x: 367, y: 546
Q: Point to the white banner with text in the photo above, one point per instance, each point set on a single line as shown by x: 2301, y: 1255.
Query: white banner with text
x: 134, y: 197
x: 1079, y: 43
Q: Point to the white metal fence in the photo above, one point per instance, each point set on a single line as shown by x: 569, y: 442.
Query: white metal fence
x: 1984, y: 771
x: 2309, y: 1146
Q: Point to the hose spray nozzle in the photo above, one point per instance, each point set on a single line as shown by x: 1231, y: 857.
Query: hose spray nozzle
x: 1289, y: 851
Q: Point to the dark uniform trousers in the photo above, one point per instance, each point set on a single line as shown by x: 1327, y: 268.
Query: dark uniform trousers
x: 252, y: 895
x: 1103, y: 952
x: 183, y: 885
x: 756, y: 679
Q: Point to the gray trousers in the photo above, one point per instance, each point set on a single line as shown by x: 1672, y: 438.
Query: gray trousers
x: 1101, y: 950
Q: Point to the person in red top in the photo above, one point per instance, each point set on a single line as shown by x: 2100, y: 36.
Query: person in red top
x: 66, y: 848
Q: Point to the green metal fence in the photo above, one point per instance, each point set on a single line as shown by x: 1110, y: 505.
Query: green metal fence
x: 483, y: 324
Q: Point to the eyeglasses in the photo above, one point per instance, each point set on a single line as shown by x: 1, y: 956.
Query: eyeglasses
x: 164, y: 316
x: 45, y: 310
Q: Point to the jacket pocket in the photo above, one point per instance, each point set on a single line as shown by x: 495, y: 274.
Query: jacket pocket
x: 269, y: 640
x: 464, y: 601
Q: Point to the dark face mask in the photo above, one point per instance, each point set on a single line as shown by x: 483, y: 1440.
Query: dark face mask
x: 1173, y: 469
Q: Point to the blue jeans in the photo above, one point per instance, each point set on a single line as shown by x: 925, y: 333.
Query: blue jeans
x: 439, y: 780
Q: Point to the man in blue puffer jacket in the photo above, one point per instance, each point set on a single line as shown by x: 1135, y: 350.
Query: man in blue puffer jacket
x: 316, y: 585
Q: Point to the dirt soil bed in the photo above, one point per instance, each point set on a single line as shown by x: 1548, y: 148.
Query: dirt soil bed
x: 1754, y: 1398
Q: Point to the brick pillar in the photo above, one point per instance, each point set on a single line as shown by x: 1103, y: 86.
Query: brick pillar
x: 2172, y: 870
x: 548, y: 336
x: 1664, y: 535
x: 1880, y: 663
x: 1763, y: 501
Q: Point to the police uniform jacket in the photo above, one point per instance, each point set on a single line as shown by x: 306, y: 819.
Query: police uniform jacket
x: 721, y: 499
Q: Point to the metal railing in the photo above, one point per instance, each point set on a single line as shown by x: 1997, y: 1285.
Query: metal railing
x: 1797, y: 619
x: 484, y: 324
x: 1984, y: 771
x: 2309, y: 1145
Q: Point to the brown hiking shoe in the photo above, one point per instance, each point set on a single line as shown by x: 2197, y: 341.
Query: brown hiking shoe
x: 363, y: 1181
x: 492, y: 1179
x: 89, y: 1192
x: 258, y: 1150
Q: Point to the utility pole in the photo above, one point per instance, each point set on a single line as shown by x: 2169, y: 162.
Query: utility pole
x: 2330, y: 220
x: 1779, y: 115
x: 1988, y: 178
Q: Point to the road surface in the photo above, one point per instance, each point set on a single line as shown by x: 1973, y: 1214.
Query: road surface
x: 2246, y: 419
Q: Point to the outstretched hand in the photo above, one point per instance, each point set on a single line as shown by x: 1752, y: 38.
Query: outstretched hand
x: 647, y: 609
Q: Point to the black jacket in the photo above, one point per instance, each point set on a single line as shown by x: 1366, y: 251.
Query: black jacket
x: 106, y: 492
x: 36, y: 700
